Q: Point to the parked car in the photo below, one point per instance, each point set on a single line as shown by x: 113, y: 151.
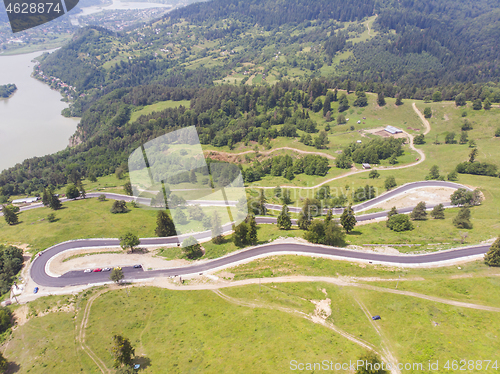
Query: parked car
x: 376, y: 318
x: 35, y: 290
x: 87, y: 271
x: 118, y: 268
x: 97, y: 270
x: 106, y: 269
x: 137, y: 266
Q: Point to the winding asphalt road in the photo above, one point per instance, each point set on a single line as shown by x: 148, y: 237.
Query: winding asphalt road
x: 39, y: 275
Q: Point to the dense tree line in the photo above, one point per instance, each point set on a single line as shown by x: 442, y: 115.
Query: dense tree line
x: 11, y: 261
x: 375, y: 150
x: 270, y: 14
x: 287, y: 167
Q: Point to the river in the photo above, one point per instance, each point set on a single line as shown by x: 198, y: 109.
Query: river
x: 31, y: 123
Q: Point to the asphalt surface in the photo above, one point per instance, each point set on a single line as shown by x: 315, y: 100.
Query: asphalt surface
x: 39, y: 275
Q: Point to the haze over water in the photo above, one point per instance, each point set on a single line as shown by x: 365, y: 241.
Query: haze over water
x: 31, y: 123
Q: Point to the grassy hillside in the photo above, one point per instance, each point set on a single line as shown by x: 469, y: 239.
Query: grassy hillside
x: 251, y: 329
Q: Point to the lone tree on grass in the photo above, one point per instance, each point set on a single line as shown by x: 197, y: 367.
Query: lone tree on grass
x: 164, y: 225
x: 127, y: 187
x: 492, y: 257
x: 129, y: 240
x: 419, y: 213
x: 122, y: 351
x: 374, y: 174
x: 427, y: 112
x: 116, y: 275
x: 72, y: 191
x: 399, y: 222
x: 462, y: 220
x: 390, y: 182
x: 119, y: 206
x: 192, y: 248
x: 347, y: 219
x: 52, y: 201
x: 10, y: 214
x: 438, y: 212
x: 284, y: 221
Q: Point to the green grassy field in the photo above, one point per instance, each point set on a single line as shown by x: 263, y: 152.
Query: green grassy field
x: 254, y: 331
x: 177, y: 332
x: 83, y: 219
x: 158, y: 107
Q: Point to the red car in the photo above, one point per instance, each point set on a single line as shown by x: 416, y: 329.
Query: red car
x: 97, y: 270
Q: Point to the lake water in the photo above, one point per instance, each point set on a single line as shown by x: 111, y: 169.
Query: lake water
x: 31, y: 123
x: 119, y: 5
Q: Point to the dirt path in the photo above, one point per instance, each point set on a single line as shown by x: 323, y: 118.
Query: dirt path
x: 332, y: 280
x: 385, y: 342
x: 426, y: 123
x: 273, y: 150
x: 411, y: 145
x: 427, y: 297
x: 81, y: 335
x: 313, y: 318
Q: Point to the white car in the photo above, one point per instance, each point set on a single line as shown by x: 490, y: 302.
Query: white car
x: 87, y: 271
x: 106, y: 269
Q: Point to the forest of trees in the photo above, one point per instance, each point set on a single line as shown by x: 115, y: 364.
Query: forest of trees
x: 7, y: 89
x: 107, y: 93
x: 287, y: 167
x: 11, y: 261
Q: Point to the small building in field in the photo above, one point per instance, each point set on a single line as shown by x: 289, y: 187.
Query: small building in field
x: 26, y: 200
x: 393, y: 130
x: 366, y: 166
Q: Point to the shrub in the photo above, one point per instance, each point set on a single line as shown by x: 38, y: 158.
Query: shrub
x: 119, y: 206
x: 400, y: 222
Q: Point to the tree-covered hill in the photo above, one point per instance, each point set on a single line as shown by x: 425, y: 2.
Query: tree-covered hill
x: 278, y: 56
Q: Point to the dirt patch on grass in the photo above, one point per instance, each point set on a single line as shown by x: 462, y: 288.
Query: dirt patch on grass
x: 431, y: 195
x: 95, y: 259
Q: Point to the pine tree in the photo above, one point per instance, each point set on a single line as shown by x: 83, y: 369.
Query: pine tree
x: 462, y: 220
x: 83, y: 193
x: 492, y: 257
x: 10, y: 215
x: 284, y: 221
x: 305, y: 218
x: 329, y: 215
x: 216, y: 229
x: 164, y: 225
x: 54, y: 203
x: 381, y: 99
x: 347, y: 219
x: 438, y: 212
x: 391, y: 213
x: 326, y: 105
x: 251, y: 236
x: 419, y: 213
x: 240, y: 234
x: 45, y: 197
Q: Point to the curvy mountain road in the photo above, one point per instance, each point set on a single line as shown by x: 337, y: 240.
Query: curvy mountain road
x: 39, y: 275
